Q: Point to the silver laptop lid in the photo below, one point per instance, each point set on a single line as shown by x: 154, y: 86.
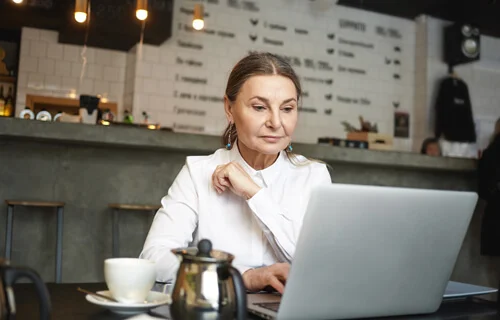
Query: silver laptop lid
x: 369, y: 251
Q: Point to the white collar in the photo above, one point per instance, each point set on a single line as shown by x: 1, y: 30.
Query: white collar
x: 269, y: 174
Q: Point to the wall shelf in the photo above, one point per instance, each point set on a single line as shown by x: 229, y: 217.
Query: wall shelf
x: 68, y: 105
x: 7, y: 79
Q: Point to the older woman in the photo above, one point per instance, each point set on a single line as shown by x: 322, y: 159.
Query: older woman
x: 250, y: 197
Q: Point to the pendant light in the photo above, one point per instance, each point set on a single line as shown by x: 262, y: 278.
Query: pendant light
x: 81, y: 10
x: 198, y: 22
x: 141, y: 11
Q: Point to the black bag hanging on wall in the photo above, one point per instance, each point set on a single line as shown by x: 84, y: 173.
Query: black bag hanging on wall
x: 454, y: 120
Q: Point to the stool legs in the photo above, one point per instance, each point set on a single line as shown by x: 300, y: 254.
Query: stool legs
x: 8, y: 234
x: 116, y: 234
x: 59, y: 239
x: 59, y: 244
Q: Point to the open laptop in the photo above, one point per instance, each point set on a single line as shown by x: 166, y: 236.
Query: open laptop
x: 367, y: 251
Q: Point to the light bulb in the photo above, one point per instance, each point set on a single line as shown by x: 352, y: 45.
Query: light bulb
x: 17, y: 1
x: 141, y: 14
x: 80, y: 17
x: 198, y: 24
x: 141, y: 9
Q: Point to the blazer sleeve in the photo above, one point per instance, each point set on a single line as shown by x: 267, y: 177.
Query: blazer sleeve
x: 173, y: 226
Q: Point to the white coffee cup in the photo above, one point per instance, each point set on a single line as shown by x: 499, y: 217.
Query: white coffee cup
x: 129, y: 279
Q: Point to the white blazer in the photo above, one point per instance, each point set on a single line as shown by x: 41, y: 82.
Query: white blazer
x: 260, y: 231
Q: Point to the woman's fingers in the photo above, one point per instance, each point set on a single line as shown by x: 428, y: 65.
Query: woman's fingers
x: 276, y: 284
x: 274, y: 276
x: 215, y: 182
x: 220, y: 180
x: 232, y: 176
x: 224, y: 182
x: 283, y: 270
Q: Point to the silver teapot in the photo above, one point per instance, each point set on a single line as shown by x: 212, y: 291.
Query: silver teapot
x: 207, y: 286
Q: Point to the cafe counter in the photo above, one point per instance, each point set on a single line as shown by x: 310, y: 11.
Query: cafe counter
x: 133, y: 137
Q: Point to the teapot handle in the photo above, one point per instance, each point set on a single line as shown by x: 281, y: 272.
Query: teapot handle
x: 241, y: 293
x: 11, y: 276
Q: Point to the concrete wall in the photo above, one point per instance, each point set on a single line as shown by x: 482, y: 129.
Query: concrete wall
x: 87, y: 179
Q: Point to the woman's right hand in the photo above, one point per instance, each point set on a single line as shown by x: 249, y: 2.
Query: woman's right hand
x: 274, y: 275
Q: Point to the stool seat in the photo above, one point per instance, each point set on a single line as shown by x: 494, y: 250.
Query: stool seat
x: 34, y: 203
x: 138, y: 207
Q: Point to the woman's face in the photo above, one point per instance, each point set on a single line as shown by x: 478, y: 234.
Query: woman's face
x: 433, y: 149
x: 264, y: 113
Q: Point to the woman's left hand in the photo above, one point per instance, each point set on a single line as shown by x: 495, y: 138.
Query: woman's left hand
x: 232, y: 176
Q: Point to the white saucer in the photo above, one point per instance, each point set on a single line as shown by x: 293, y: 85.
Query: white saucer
x: 153, y: 300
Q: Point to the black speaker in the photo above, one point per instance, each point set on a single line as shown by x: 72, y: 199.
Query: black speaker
x: 461, y: 44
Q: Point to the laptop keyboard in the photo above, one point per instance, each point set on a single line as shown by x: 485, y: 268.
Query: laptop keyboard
x: 273, y: 306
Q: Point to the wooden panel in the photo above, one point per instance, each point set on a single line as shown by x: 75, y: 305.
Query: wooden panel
x: 7, y: 79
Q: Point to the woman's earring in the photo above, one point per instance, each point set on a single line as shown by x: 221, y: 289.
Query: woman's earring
x: 228, y: 145
x: 290, y: 148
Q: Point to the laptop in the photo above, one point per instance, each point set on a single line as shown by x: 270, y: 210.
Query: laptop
x: 369, y: 251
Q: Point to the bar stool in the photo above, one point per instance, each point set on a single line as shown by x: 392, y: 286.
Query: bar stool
x: 116, y: 207
x: 10, y: 224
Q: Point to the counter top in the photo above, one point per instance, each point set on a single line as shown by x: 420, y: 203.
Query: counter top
x: 133, y: 137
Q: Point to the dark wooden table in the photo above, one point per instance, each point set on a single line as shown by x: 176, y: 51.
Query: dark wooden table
x: 68, y: 303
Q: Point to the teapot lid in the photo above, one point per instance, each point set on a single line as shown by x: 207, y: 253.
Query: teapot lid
x: 204, y: 253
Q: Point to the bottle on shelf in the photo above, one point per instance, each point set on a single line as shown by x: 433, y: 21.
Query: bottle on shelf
x: 2, y: 103
x: 128, y: 117
x: 9, y: 104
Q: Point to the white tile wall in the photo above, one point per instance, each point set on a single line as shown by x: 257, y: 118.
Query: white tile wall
x: 54, y: 51
x: 94, y: 71
x: 71, y: 53
x: 112, y: 73
x: 152, y: 79
x: 35, y: 81
x: 119, y: 61
x: 52, y: 82
x: 48, y: 36
x: 46, y: 66
x: 30, y: 33
x: 53, y: 69
x: 28, y: 63
x: 103, y: 57
x: 63, y: 68
x: 158, y: 83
